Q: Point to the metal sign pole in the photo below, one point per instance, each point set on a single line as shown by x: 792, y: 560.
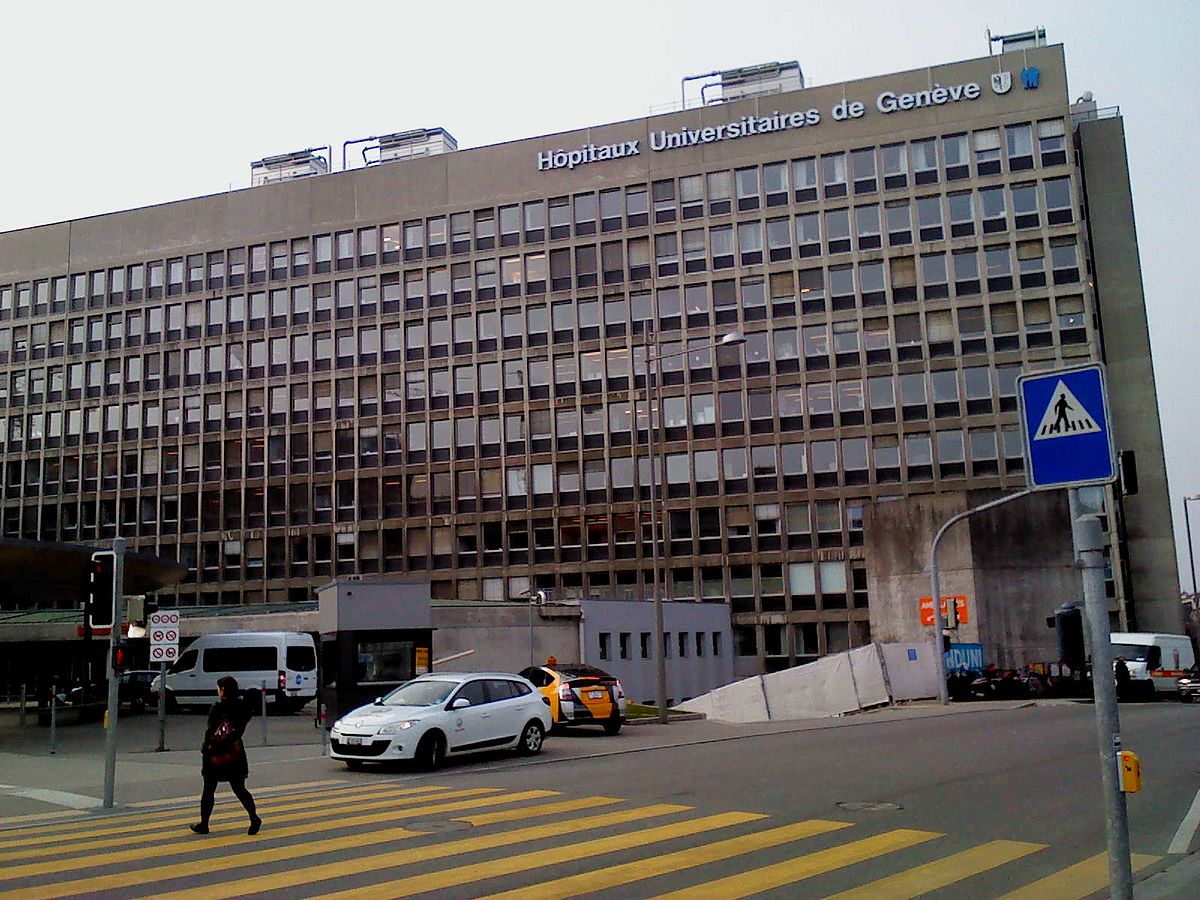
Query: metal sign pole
x: 162, y: 707
x: 53, y: 717
x: 1089, y: 550
x: 114, y: 637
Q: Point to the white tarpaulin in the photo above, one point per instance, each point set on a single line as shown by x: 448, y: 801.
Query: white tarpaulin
x: 841, y: 683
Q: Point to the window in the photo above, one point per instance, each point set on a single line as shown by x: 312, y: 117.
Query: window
x: 925, y: 161
x: 833, y: 174
x: 1018, y: 140
x: 895, y: 165
x: 1052, y: 142
x: 804, y: 178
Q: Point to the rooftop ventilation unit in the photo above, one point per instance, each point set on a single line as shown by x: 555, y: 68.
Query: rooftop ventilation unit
x: 287, y: 166
x: 748, y: 81
x: 754, y: 81
x: 419, y: 142
x: 1022, y: 40
x: 402, y: 145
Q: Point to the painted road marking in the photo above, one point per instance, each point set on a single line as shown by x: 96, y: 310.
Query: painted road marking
x: 627, y: 873
x: 523, y: 862
x: 918, y: 881
x: 1078, y: 881
x: 130, y: 832
x: 1187, y: 828
x: 132, y: 822
x: 192, y: 843
x: 343, y: 868
x: 744, y: 884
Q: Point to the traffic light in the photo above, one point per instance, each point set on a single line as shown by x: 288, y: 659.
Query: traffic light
x: 120, y: 657
x: 99, y: 609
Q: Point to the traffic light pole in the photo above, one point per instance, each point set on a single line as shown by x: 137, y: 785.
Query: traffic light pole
x: 114, y: 638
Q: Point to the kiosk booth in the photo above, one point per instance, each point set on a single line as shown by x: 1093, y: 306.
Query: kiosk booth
x: 375, y: 635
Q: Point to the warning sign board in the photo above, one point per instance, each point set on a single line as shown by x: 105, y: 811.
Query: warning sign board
x: 1066, y: 428
x: 163, y: 628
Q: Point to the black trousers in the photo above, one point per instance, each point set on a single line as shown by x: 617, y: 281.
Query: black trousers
x: 238, y: 786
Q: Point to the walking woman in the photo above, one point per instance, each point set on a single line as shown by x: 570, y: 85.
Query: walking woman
x: 224, y: 755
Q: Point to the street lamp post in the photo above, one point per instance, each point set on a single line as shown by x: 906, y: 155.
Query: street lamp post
x: 654, y: 369
x: 539, y: 597
x: 1187, y: 524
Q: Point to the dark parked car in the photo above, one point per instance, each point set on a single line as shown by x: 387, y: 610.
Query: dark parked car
x: 1189, y: 686
x: 133, y: 690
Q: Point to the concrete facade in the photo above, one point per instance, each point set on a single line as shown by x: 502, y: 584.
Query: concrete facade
x: 1144, y: 520
x: 617, y: 636
x: 1013, y: 564
x: 438, y: 367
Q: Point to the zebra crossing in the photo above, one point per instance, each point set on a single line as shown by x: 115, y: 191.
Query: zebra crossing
x: 394, y: 839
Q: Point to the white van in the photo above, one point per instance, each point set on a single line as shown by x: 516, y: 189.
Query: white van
x: 1155, y: 661
x: 284, y: 661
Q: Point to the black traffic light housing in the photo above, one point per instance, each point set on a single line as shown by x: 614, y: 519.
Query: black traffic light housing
x: 98, y: 612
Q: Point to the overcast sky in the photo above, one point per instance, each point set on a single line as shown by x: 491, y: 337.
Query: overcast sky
x: 114, y: 105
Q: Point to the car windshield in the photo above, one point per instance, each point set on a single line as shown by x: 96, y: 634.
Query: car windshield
x: 583, y: 672
x: 420, y: 693
x: 1131, y: 652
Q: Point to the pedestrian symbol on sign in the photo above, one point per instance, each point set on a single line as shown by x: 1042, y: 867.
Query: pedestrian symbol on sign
x: 1065, y: 416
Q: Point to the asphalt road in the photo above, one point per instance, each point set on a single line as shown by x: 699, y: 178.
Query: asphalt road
x: 981, y: 804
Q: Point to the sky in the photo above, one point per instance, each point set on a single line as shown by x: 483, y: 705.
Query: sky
x: 108, y: 106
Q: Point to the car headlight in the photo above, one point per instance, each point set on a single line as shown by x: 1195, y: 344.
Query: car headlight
x: 1185, y: 681
x: 397, y: 727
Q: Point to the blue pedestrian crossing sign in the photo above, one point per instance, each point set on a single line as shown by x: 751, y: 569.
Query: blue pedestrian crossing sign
x: 1067, y: 429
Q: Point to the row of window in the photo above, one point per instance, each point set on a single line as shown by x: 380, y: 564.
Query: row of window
x: 219, y: 412
x: 324, y: 301
x: 764, y: 467
x: 832, y: 175
x: 876, y: 339
x: 866, y: 284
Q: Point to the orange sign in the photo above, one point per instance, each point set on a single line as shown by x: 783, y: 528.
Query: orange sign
x: 960, y: 609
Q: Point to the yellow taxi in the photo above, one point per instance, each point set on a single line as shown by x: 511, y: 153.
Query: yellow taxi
x: 580, y: 695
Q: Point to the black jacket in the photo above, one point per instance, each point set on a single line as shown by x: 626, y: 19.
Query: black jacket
x: 237, y: 713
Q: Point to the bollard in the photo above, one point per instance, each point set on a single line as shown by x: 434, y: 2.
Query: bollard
x: 22, y: 704
x: 264, y: 712
x: 53, y: 716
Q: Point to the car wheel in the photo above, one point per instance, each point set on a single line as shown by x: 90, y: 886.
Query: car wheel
x: 532, y: 736
x: 353, y: 765
x: 557, y: 727
x: 431, y: 752
x: 613, y: 726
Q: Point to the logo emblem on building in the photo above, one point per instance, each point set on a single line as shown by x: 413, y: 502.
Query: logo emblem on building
x: 1030, y: 76
x: 1002, y: 82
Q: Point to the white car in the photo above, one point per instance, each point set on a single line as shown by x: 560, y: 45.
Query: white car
x: 434, y: 715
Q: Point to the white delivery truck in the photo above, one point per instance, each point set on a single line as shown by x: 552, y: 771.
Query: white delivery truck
x: 1155, y: 661
x: 284, y: 661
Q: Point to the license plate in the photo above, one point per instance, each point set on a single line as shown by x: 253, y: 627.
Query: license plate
x: 352, y: 741
x: 596, y: 695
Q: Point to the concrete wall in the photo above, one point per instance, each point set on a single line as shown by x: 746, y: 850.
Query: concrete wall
x: 1149, y: 539
x: 687, y: 676
x: 833, y: 685
x: 1014, y: 564
x: 499, y: 635
x: 350, y: 605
